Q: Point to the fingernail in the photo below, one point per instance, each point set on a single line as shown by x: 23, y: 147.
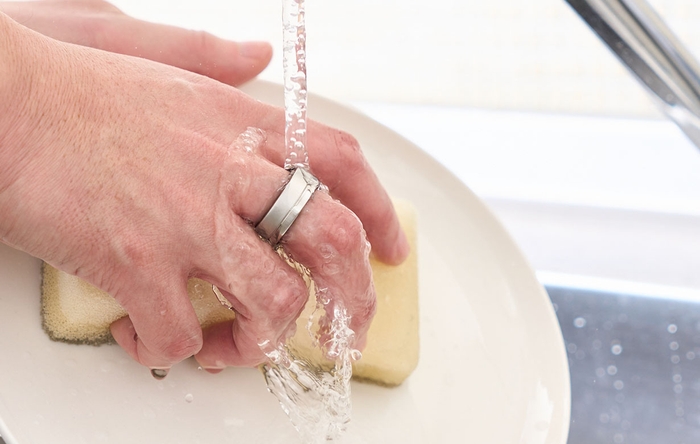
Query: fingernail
x: 400, y: 251
x: 159, y: 373
x: 253, y: 50
x: 214, y: 371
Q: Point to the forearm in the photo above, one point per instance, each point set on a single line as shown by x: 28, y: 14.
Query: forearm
x: 37, y: 86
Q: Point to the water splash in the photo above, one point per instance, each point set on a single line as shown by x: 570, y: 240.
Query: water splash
x: 315, y: 395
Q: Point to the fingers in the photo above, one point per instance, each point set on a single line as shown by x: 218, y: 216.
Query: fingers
x: 352, y: 181
x: 229, y: 62
x: 162, y: 328
x: 100, y: 25
x: 266, y: 293
x: 336, y: 158
x: 330, y: 241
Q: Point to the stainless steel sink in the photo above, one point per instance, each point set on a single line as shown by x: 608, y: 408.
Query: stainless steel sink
x: 635, y: 375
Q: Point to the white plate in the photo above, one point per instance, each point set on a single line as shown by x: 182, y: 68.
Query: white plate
x: 493, y: 367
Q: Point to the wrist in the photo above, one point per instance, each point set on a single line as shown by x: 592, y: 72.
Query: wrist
x: 8, y: 67
x: 15, y: 81
x: 29, y: 70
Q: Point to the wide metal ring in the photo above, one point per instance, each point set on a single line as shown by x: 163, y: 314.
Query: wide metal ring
x: 282, y: 214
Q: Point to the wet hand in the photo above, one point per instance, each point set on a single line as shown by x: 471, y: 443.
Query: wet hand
x: 137, y: 176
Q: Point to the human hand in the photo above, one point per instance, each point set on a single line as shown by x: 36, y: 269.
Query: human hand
x: 99, y: 24
x: 131, y: 175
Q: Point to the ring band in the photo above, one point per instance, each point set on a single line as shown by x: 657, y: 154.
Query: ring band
x: 282, y: 214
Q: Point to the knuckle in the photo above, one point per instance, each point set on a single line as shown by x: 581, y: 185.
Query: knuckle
x: 346, y: 233
x: 204, y: 46
x: 349, y: 155
x: 94, y: 33
x: 364, y: 309
x: 201, y: 42
x: 99, y: 32
x: 288, y: 299
x: 181, y: 346
x: 368, y: 309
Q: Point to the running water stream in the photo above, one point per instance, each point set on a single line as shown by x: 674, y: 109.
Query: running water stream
x: 315, y: 395
x: 294, y: 63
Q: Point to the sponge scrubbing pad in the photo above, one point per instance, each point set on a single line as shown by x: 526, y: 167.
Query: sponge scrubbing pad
x: 76, y: 312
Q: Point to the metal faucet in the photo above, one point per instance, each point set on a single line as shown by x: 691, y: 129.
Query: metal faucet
x: 643, y: 43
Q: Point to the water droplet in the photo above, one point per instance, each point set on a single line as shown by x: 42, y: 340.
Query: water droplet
x: 619, y: 385
x: 159, y: 373
x: 600, y: 372
x: 612, y: 370
x: 619, y: 438
x: 322, y: 296
x: 690, y: 356
x: 678, y: 388
x: 677, y: 378
x: 675, y: 359
x: 572, y: 347
x: 579, y: 322
x: 596, y: 344
x: 189, y: 397
x: 673, y: 345
x: 672, y: 328
x: 616, y: 349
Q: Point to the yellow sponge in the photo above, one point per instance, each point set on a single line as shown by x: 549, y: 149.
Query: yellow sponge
x: 76, y: 312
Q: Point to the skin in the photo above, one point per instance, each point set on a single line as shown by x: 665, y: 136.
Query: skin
x: 130, y: 174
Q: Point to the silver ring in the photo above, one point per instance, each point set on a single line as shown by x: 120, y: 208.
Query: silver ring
x: 282, y: 214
